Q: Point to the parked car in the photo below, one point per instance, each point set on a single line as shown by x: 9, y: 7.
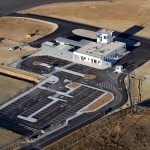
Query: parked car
x: 13, y: 48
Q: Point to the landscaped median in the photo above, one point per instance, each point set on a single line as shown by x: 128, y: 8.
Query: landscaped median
x: 89, y: 76
x: 100, y: 102
x: 73, y: 85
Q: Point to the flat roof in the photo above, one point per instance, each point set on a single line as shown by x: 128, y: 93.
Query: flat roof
x: 98, y: 49
x: 83, y: 42
x: 73, y: 42
x: 62, y: 47
x: 68, y: 41
x: 105, y: 31
x: 85, y: 33
x: 48, y: 43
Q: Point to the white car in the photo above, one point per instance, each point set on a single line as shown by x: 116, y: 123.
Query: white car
x: 11, y: 48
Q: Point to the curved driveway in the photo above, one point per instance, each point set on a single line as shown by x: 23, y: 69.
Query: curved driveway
x: 65, y: 30
x: 138, y: 55
x: 80, y: 121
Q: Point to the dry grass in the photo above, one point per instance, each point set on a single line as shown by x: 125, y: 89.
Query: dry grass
x: 36, y: 63
x: 10, y: 88
x: 101, y: 101
x: 115, y: 14
x: 21, y: 74
x: 132, y: 132
x: 7, y: 57
x: 73, y: 85
x: 89, y: 76
x: 129, y: 133
x: 142, y: 72
x: 7, y: 137
x: 14, y: 31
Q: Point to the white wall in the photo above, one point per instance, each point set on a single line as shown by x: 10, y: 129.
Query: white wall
x: 86, y: 58
x: 104, y: 38
x: 104, y: 62
x: 90, y: 61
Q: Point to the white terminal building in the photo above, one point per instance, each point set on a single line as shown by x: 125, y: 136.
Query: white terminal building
x: 101, y: 54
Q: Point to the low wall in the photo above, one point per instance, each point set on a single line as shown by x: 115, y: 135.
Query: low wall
x: 20, y: 74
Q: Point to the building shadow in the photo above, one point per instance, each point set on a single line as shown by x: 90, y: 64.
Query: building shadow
x: 126, y: 37
x: 145, y: 103
x: 130, y: 32
x: 78, y: 38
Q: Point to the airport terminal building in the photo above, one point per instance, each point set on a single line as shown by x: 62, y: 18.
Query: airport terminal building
x: 101, y: 54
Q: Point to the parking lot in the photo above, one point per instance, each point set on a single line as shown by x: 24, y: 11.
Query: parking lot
x: 51, y: 104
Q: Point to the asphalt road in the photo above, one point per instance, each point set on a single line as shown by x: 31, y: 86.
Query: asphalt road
x: 120, y: 99
x: 64, y: 30
x: 106, y: 76
x: 138, y: 55
x: 28, y: 64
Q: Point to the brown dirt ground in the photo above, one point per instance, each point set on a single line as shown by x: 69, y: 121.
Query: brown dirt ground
x: 10, y: 88
x: 73, y: 85
x: 8, y: 57
x: 89, y: 76
x: 106, y: 98
x: 36, y: 63
x: 7, y: 137
x: 142, y: 72
x: 115, y: 14
x: 129, y: 133
x: 18, y: 29
x: 133, y: 134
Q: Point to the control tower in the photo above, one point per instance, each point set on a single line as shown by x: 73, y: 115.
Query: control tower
x: 104, y: 36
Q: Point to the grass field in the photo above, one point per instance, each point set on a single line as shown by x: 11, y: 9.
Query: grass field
x: 114, y: 14
x: 9, y: 88
x: 13, y: 32
x: 8, y: 137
